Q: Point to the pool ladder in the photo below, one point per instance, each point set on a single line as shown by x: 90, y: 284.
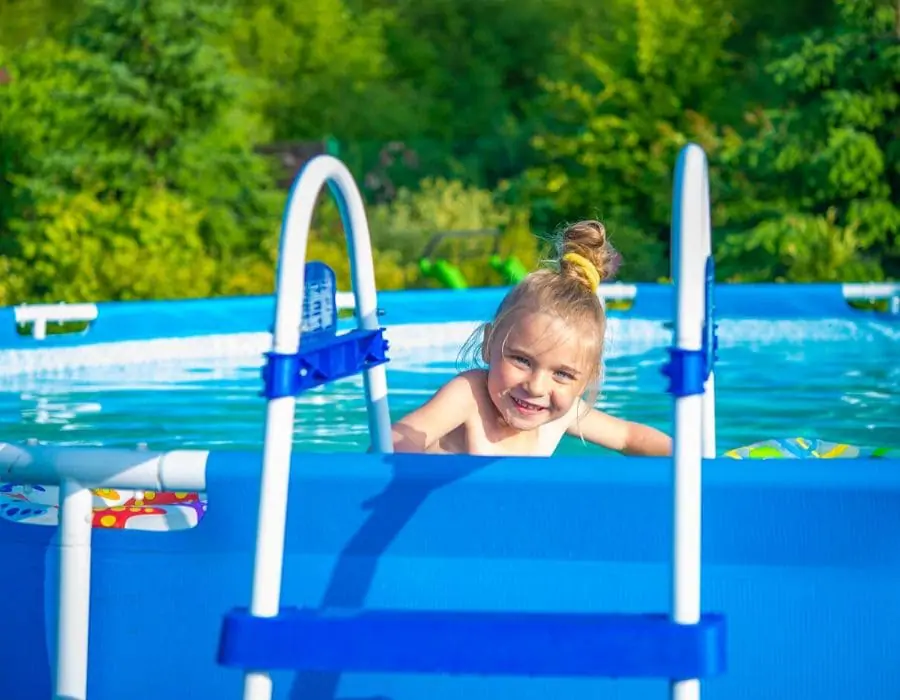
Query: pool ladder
x: 683, y: 645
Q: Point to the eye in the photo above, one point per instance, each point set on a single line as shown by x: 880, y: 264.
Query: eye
x: 565, y: 375
x: 519, y: 360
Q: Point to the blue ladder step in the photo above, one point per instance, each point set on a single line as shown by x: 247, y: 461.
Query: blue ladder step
x: 475, y: 643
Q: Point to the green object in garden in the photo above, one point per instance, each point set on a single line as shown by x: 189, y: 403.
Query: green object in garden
x: 332, y: 146
x: 444, y: 272
x: 511, y: 269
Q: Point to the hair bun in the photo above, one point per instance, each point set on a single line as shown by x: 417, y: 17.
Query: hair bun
x: 587, y: 240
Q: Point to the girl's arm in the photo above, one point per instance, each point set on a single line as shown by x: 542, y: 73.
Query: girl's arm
x: 447, y: 409
x: 621, y: 435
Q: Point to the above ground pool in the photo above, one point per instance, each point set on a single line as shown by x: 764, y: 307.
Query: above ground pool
x: 432, y: 577
x: 802, y: 555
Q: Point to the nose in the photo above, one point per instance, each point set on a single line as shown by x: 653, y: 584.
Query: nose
x: 537, y: 383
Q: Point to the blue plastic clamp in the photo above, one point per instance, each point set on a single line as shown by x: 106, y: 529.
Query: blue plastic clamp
x: 289, y: 374
x: 688, y: 370
x: 323, y: 356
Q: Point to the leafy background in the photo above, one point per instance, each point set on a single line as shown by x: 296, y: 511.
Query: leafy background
x: 145, y: 146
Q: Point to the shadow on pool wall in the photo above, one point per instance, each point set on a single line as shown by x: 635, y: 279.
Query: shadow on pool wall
x: 801, y: 557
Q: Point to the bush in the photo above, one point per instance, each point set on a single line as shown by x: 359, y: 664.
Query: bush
x: 78, y: 247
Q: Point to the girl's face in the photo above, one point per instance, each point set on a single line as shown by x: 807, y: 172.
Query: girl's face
x: 536, y: 371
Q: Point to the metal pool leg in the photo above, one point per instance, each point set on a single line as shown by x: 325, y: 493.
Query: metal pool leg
x: 73, y: 619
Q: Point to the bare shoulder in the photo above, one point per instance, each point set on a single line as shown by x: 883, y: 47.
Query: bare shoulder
x: 579, y: 410
x: 476, y: 379
x: 450, y: 407
x: 471, y: 385
x: 455, y: 399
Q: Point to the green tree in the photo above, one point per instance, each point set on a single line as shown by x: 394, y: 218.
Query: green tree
x: 320, y: 69
x: 134, y: 129
x: 24, y: 20
x: 814, y: 194
x: 471, y: 71
x: 642, y: 88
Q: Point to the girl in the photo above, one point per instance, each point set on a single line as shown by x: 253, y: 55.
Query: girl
x: 542, y: 354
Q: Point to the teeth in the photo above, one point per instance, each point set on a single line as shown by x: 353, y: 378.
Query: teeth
x: 526, y: 404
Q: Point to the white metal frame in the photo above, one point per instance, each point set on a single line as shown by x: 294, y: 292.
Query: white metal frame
x: 691, y: 246
x: 889, y: 291
x: 77, y: 471
x: 267, y: 570
x: 39, y: 315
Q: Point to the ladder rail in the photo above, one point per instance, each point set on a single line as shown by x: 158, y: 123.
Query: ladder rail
x: 693, y: 405
x: 709, y: 393
x: 280, y: 411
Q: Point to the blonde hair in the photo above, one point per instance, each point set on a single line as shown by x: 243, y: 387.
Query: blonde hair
x: 564, y: 287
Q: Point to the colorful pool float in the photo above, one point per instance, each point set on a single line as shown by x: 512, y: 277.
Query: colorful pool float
x: 113, y: 508
x: 808, y: 448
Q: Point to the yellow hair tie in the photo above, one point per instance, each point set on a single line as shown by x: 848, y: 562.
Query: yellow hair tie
x: 587, y: 267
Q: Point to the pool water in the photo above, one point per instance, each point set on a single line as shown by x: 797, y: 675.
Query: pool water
x: 837, y: 380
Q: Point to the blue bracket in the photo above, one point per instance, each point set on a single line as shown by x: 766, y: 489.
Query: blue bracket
x: 347, y: 354
x: 324, y: 356
x: 688, y: 370
x: 475, y: 643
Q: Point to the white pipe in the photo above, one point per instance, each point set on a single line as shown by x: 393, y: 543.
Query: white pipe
x: 40, y: 314
x: 709, y: 417
x: 76, y: 471
x: 708, y: 426
x: 345, y: 300
x: 55, y: 312
x: 871, y: 290
x: 73, y: 617
x: 362, y: 270
x: 617, y: 290
x: 267, y: 571
x: 177, y: 470
x: 688, y: 271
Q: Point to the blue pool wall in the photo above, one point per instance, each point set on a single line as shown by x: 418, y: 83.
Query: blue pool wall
x: 802, y: 557
x: 149, y: 320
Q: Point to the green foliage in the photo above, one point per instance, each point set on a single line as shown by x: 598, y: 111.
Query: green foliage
x: 327, y: 243
x: 467, y: 77
x: 614, y: 133
x: 407, y: 224
x: 136, y: 102
x: 813, y: 194
x: 320, y: 69
x: 130, y: 134
x: 78, y: 247
x: 161, y: 87
x: 23, y: 20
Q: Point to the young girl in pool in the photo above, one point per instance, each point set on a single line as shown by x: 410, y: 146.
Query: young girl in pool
x: 542, y: 357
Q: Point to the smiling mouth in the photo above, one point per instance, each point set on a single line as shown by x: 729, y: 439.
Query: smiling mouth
x: 526, y: 407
